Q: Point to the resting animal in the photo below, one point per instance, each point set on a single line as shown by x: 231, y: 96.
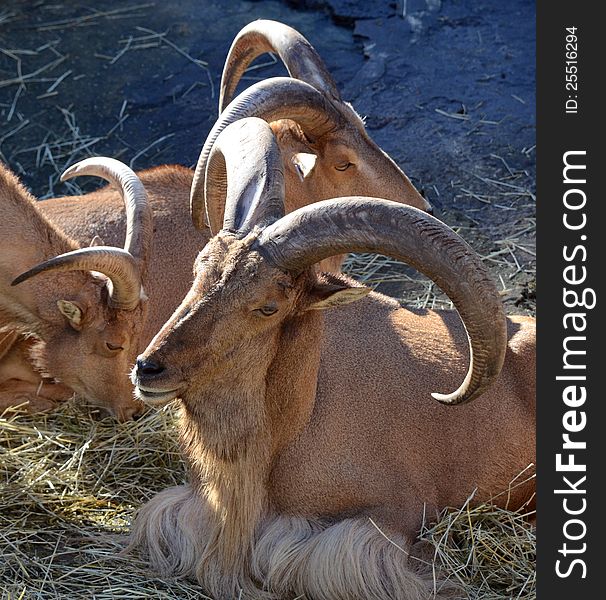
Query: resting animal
x: 76, y: 325
x: 306, y: 421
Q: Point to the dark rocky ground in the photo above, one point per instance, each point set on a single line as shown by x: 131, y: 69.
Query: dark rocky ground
x: 447, y: 89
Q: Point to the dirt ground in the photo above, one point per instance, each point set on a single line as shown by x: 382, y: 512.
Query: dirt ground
x: 447, y: 89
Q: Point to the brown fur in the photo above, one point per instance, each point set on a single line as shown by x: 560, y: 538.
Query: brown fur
x: 18, y: 380
x: 301, y: 427
x: 175, y: 243
x: 371, y: 172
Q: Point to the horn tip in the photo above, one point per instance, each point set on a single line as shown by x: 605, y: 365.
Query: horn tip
x: 70, y: 172
x: 454, y: 399
x: 20, y: 279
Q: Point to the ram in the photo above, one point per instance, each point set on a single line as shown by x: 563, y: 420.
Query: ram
x: 313, y: 444
x: 75, y: 325
x: 325, y: 147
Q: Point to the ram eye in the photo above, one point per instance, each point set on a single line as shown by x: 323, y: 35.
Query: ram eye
x: 113, y: 347
x: 267, y: 310
x: 343, y: 166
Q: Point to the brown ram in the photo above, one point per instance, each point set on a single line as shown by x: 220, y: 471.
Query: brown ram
x: 307, y: 422
x: 325, y: 147
x: 82, y: 323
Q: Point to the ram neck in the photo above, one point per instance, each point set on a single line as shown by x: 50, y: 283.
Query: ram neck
x: 292, y: 378
x: 229, y: 464
x: 233, y: 432
x: 22, y: 222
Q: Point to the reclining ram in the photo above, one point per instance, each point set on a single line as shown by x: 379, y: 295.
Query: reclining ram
x: 307, y: 421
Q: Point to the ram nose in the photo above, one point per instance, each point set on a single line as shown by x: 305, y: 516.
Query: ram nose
x: 154, y: 383
x: 148, y: 370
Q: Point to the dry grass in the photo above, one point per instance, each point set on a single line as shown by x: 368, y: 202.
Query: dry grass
x: 384, y: 274
x: 64, y: 145
x: 490, y: 551
x: 394, y: 278
x: 41, y: 73
x: 93, y: 17
x: 70, y: 484
x: 496, y: 216
x: 41, y: 107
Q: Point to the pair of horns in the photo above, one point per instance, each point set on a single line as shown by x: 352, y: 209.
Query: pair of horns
x: 126, y: 267
x: 271, y: 99
x: 244, y: 177
x: 307, y: 97
x: 245, y: 182
x: 298, y: 55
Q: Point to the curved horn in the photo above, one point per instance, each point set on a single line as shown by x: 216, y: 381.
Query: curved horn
x: 124, y: 268
x: 318, y: 231
x: 297, y: 54
x: 139, y: 226
x: 244, y: 177
x: 117, y: 264
x: 270, y: 100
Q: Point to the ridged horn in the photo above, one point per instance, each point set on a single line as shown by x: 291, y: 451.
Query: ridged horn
x: 270, y: 100
x: 139, y: 219
x: 126, y: 267
x: 117, y: 264
x: 244, y: 177
x: 298, y: 55
x: 318, y: 231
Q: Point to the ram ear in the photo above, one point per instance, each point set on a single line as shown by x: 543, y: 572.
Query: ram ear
x: 304, y: 163
x: 329, y: 295
x: 72, y: 312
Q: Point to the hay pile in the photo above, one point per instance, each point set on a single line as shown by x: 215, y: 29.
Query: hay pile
x: 489, y: 551
x: 71, y: 482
